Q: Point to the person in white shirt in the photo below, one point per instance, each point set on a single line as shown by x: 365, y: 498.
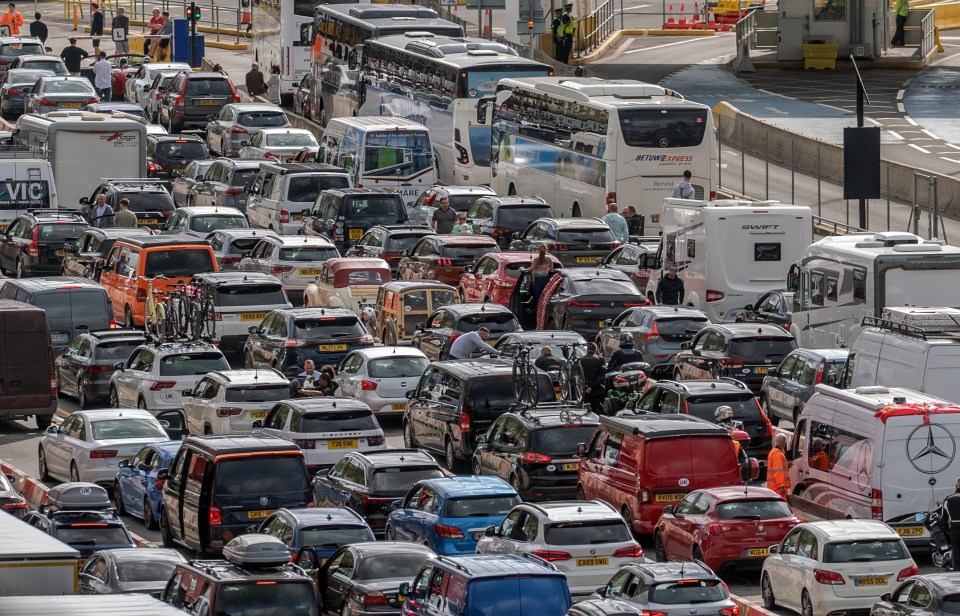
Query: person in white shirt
x: 467, y: 344
x: 102, y: 77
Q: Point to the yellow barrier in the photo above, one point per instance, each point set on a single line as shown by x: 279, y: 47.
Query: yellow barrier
x: 946, y: 15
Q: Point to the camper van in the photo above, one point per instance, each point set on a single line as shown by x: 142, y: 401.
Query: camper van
x: 728, y: 252
x: 842, y: 279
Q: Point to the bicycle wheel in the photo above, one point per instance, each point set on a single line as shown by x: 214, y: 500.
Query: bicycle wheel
x: 572, y: 383
x: 210, y: 319
x: 159, y: 322
x: 525, y: 382
x: 182, y: 314
x: 196, y: 319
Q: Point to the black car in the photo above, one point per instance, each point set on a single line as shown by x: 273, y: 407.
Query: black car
x: 369, y: 482
x: 36, y: 242
x: 744, y: 351
x: 577, y: 242
x: 168, y: 155
x: 84, y: 370
x: 658, y: 331
x: 929, y: 594
x: 772, y: 307
x: 535, y: 450
x: 124, y: 570
x: 192, y: 99
x: 435, y: 335
x: 343, y: 215
x: 501, y: 217
x: 388, y: 242
x: 92, y: 248
x: 149, y: 200
x: 287, y: 338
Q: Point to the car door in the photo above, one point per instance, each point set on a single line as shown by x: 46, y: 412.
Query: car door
x: 141, y: 466
x: 406, y: 520
x: 9, y: 248
x: 899, y: 603
x: 514, y: 440
x: 429, y: 340
x: 71, y: 362
x: 273, y: 339
x: 92, y: 578
x: 691, y: 361
x: 777, y: 386
x: 130, y: 379
x: 687, y: 524
x: 499, y: 543
x: 339, y: 580
x: 173, y: 496
x: 74, y: 444
x: 194, y: 406
x: 674, y: 531
x: 328, y: 489
x: 55, y: 450
x: 784, y: 565
x: 420, y: 406
x: 350, y: 374
x: 488, y: 453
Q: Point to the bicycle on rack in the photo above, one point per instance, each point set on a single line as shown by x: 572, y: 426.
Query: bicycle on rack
x: 195, y: 314
x: 572, y: 379
x: 157, y: 320
x: 526, y: 381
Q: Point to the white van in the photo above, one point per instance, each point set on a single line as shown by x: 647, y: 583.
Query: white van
x: 26, y: 182
x: 887, y: 454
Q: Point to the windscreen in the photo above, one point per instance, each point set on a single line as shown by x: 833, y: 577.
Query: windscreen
x: 385, y: 566
x: 761, y: 348
x: 659, y: 127
x: 68, y: 87
x: 149, y: 201
x: 155, y: 570
x: 385, y: 210
x: 753, y: 510
x: 744, y: 406
x: 335, y: 421
x: 687, y: 592
x: 244, y: 177
x: 306, y: 188
x: 333, y: 536
x: 262, y: 475
x: 249, y: 296
x: 678, y: 330
x: 560, y: 442
x: 263, y: 393
x: 116, y: 351
x: 397, y: 367
x: 127, y: 427
x: 482, y: 82
x: 462, y: 203
x: 60, y: 231
x: 302, y: 254
x: 208, y: 224
x: 192, y: 364
x: 865, y: 551
x: 250, y: 599
x: 182, y: 149
x: 93, y: 535
x: 262, y: 119
x: 397, y: 153
x: 605, y: 286
x: 181, y: 263
x: 395, y: 481
x: 480, y: 506
x: 362, y: 277
x: 327, y: 327
x: 501, y: 323
x: 584, y: 236
x: 290, y: 140
x: 465, y: 252
x: 208, y: 87
x: 521, y: 217
x: 590, y: 532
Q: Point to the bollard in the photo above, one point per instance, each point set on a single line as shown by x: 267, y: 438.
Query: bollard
x: 76, y: 19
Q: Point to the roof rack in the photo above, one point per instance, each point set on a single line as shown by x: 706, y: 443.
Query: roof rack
x: 453, y: 564
x: 134, y: 180
x: 733, y: 381
x: 910, y: 330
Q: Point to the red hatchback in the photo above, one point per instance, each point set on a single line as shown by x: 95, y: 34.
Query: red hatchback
x: 494, y: 276
x: 730, y: 526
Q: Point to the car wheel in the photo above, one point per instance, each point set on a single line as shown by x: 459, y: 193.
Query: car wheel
x: 74, y: 472
x: 514, y: 483
x: 765, y: 405
x: 148, y: 520
x: 449, y: 457
x: 128, y: 317
x: 625, y: 514
x: 388, y: 534
x: 118, y: 499
x: 409, y: 441
x: 766, y: 591
x: 114, y: 398
x: 142, y: 404
x: 476, y: 467
x: 659, y: 550
x: 42, y: 459
x: 19, y: 271
x: 82, y: 395
x: 43, y: 421
x: 806, y: 607
x: 166, y: 537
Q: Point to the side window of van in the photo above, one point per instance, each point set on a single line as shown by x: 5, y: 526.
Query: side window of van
x: 611, y: 449
x: 798, y: 447
x: 113, y: 258
x: 851, y: 456
x: 196, y: 473
x: 596, y: 445
x: 178, y: 466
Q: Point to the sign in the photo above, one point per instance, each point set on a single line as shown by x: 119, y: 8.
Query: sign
x: 15, y: 194
x: 119, y: 34
x: 4, y: 30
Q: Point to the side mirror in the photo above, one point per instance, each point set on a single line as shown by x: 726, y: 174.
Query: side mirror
x: 257, y: 424
x: 516, y: 235
x: 603, y: 590
x: 420, y: 327
x: 668, y: 509
x: 685, y: 346
x: 307, y: 558
x: 884, y: 597
x: 771, y: 372
x: 490, y: 531
x: 468, y: 270
x: 582, y: 450
x: 748, y: 307
x: 163, y: 474
x: 187, y: 393
x: 245, y: 254
x: 481, y: 439
x: 305, y: 211
x: 51, y: 430
x: 404, y: 591
x: 773, y: 549
x: 323, y: 472
x: 244, y: 144
x: 200, y: 178
x: 84, y: 201
x: 396, y: 504
x: 118, y: 366
x: 404, y: 253
x: 607, y: 323
x: 412, y: 394
x: 253, y: 329
x: 124, y: 464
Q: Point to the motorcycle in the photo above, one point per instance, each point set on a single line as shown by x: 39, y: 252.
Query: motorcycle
x: 624, y: 387
x: 940, y: 549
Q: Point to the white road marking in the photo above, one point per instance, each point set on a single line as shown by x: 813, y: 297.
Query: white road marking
x: 693, y: 40
x: 909, y: 119
x: 916, y: 147
x: 900, y: 95
x: 929, y: 133
x: 953, y: 160
x: 895, y: 134
x: 900, y: 108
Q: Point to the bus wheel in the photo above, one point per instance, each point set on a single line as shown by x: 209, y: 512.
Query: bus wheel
x: 512, y: 191
x: 576, y: 211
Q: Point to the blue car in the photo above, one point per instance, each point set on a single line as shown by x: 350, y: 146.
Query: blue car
x: 324, y: 529
x: 16, y: 86
x: 136, y: 489
x: 450, y: 514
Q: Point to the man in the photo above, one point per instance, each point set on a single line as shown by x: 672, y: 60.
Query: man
x: 683, y: 189
x: 12, y: 19
x: 903, y: 11
x: 469, y: 343
x: 444, y: 217
x: 634, y: 222
x: 165, y: 30
x: 624, y: 355
x: 670, y: 291
x: 310, y: 374
x: 569, y: 27
x: 556, y: 31
x: 101, y: 216
x: 72, y: 56
x: 96, y: 27
x: 724, y: 416
x: 618, y: 226
x: 39, y: 29
x: 593, y: 373
x: 125, y: 218
x: 255, y: 82
x: 778, y: 478
x: 950, y: 520
x: 819, y: 459
x: 547, y: 361
x: 121, y: 31
x: 102, y: 77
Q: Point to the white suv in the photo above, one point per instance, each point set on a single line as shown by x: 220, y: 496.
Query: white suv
x: 155, y: 374
x: 282, y: 191
x: 229, y: 401
x: 586, y: 540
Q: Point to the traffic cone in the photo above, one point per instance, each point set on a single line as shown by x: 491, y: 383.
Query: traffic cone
x: 683, y: 20
x: 696, y: 15
x: 670, y: 20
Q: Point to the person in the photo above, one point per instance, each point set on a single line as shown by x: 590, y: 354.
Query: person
x: 724, y: 416
x: 634, y: 222
x: 156, y: 23
x: 569, y: 28
x: 12, y: 19
x: 542, y: 269
x: 368, y: 316
x: 39, y: 29
x: 329, y: 371
x: 618, y: 226
x: 593, y: 372
x: 778, y: 478
x: 121, y: 23
x: 103, y: 77
x: 819, y: 459
x: 547, y: 361
x: 625, y: 354
x: 254, y: 80
x: 310, y: 374
x: 903, y: 11
x: 125, y: 218
x: 444, y: 216
x: 165, y: 30
x: 325, y: 387
x: 683, y: 189
x: 462, y: 227
x: 467, y: 344
x: 218, y: 68
x: 950, y: 520
x: 556, y: 31
x: 96, y: 27
x: 72, y: 56
x: 670, y: 291
x: 273, y: 85
x: 101, y: 216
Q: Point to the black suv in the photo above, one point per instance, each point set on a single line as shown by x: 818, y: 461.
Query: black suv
x: 744, y: 351
x: 92, y: 248
x: 369, y: 482
x: 388, y: 242
x: 435, y: 335
x: 577, y: 242
x: 36, y: 242
x: 501, y: 217
x: 84, y: 370
x: 343, y: 215
x: 456, y: 401
x: 193, y: 99
x: 149, y: 200
x: 536, y: 450
x: 168, y: 155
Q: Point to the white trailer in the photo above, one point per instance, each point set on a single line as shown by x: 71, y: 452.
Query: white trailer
x: 92, y: 605
x: 728, y: 252
x: 82, y: 148
x: 34, y: 563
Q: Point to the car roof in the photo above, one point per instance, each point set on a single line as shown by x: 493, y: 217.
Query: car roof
x: 544, y: 416
x: 286, y: 129
x: 38, y: 56
x: 465, y: 190
x: 205, y: 74
x: 405, y: 229
x: 590, y: 273
x: 118, y: 233
x: 662, y: 426
x: 53, y: 216
x: 406, y: 285
x: 672, y: 311
x: 236, y: 277
x: 514, y: 256
x: 497, y: 565
x: 294, y: 168
x: 308, y: 516
x: 167, y: 137
x: 361, y: 191
x: 394, y: 457
x: 250, y: 376
x: 321, y: 404
x: 574, y: 511
x: 106, y: 334
x: 513, y: 200
x: 240, y: 443
x: 168, y: 447
x: 207, y: 210
x: 256, y: 107
x: 826, y: 353
x: 466, y: 239
x: 944, y: 582
x: 751, y: 329
x: 835, y: 531
x: 467, y: 368
x: 154, y: 241
x: 739, y: 493
x: 171, y: 348
x: 575, y: 222
x: 55, y: 283
x: 720, y: 386
x: 246, y: 232
x: 242, y: 163
x: 365, y: 263
x: 228, y: 572
x: 389, y: 351
x: 373, y: 548
x: 6, y: 40
x: 310, y: 312
x: 139, y: 554
x: 470, y: 309
x: 543, y: 336
x: 303, y: 240
x: 671, y: 571
x: 98, y: 414
x: 468, y: 485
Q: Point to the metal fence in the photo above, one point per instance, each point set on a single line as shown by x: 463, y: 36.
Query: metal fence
x: 593, y: 29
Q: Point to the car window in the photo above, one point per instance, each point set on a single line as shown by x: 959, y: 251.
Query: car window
x: 334, y: 421
x: 261, y: 475
x: 187, y: 364
x: 592, y: 532
x: 252, y: 599
x: 686, y: 592
x: 537, y: 595
x: 864, y: 551
x: 181, y: 263
x: 128, y: 427
x: 753, y: 510
x: 479, y: 506
x: 760, y: 349
x: 807, y: 546
x: 228, y: 296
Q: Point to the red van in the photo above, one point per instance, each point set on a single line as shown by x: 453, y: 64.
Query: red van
x: 642, y: 464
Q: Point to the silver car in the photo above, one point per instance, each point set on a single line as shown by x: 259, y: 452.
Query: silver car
x: 380, y: 377
x: 182, y: 184
x: 278, y: 143
x: 153, y: 92
x: 658, y: 331
x: 55, y: 93
x: 230, y: 244
x: 200, y: 221
x: 294, y: 259
x: 238, y: 122
x: 133, y: 90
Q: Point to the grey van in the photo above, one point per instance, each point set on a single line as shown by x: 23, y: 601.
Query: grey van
x: 26, y: 364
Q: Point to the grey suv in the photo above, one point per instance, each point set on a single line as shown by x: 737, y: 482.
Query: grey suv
x: 225, y: 184
x: 192, y: 99
x: 658, y: 331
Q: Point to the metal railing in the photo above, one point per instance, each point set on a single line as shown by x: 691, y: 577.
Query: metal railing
x: 927, y: 41
x: 601, y: 24
x: 219, y: 17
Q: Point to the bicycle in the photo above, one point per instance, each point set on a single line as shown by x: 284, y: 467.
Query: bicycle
x: 526, y: 381
x: 157, y: 322
x: 572, y: 379
x: 195, y: 314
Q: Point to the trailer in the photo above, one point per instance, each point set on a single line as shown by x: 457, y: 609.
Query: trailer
x: 34, y: 563
x: 87, y: 605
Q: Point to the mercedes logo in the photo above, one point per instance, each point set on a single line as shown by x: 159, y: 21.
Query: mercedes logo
x: 664, y: 143
x: 264, y: 500
x: 931, y: 448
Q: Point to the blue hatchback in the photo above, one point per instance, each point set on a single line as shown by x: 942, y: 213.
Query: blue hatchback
x: 450, y: 514
x: 136, y: 488
x: 324, y: 529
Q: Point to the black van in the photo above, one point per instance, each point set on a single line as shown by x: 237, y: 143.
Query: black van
x: 343, y: 215
x: 219, y: 486
x: 27, y: 380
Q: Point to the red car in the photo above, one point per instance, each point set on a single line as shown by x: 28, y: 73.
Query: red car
x: 723, y: 527
x: 443, y: 257
x: 494, y: 276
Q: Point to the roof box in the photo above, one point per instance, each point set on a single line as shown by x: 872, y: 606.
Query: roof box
x: 78, y: 495
x: 930, y: 319
x: 255, y: 550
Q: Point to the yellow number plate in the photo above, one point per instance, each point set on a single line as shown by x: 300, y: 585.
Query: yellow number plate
x: 209, y: 101
x: 398, y: 406
x: 343, y: 443
x: 668, y: 498
x: 331, y: 347
x: 572, y: 467
x: 177, y: 170
x: 758, y: 552
x: 259, y: 515
x: 258, y: 414
x: 62, y: 253
x: 253, y: 316
x: 910, y: 531
x: 871, y: 581
x: 762, y: 370
x: 355, y: 234
x: 593, y: 562
x: 309, y: 272
x: 600, y: 325
x: 148, y: 221
x: 586, y: 259
x: 70, y: 105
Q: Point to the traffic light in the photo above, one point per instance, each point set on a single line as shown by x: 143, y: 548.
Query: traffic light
x: 193, y: 12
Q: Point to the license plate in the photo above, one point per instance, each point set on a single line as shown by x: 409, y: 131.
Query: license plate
x: 355, y: 234
x: 572, y: 467
x: 593, y: 562
x: 758, y: 552
x: 762, y: 370
x: 586, y: 259
x: 398, y: 406
x: 177, y: 170
x: 70, y: 105
x: 910, y: 531
x: 62, y: 253
x: 209, y: 101
x: 478, y: 535
x: 127, y: 458
x: 309, y: 272
x: 297, y: 217
x: 343, y: 443
x: 56, y: 337
x: 259, y: 515
x: 600, y: 324
x: 668, y: 498
x: 148, y: 221
x: 870, y: 581
x: 327, y: 348
x: 253, y: 316
x: 258, y: 414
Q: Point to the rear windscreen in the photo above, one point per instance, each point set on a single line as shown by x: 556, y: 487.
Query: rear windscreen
x: 334, y: 421
x: 687, y: 592
x: 584, y: 236
x: 333, y: 536
x: 760, y: 349
x: 480, y: 506
x: 462, y: 203
x: 208, y: 224
x: 208, y: 87
x: 81, y: 304
x: 152, y: 570
x: 186, y: 149
x: 290, y: 140
x: 21, y: 49
x: 242, y: 245
x: 864, y: 551
x: 753, y: 510
x: 744, y: 406
x: 382, y: 566
x: 249, y: 295
x: 328, y: 327
x: 398, y: 242
x: 93, y: 535
x: 395, y: 481
x: 306, y: 188
x: 116, y: 351
x: 244, y: 177
x: 465, y: 252
x: 663, y: 127
x: 496, y: 323
x: 710, y: 459
x: 530, y: 595
x: 308, y: 253
x: 67, y: 87
x: 397, y: 367
x: 560, y: 442
x: 680, y: 329
x: 385, y: 210
x: 272, y: 393
x: 520, y: 217
x: 181, y: 263
x: 605, y: 286
x: 127, y: 427
x: 261, y: 475
x: 262, y: 119
x: 592, y: 532
x: 59, y: 231
x: 45, y: 65
x: 149, y: 202
x: 192, y: 364
x: 260, y: 599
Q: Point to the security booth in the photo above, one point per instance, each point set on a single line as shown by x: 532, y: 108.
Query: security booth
x: 859, y: 28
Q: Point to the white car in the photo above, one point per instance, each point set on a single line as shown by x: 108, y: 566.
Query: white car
x: 587, y: 541
x: 155, y: 375
x: 200, y: 221
x: 136, y: 89
x: 229, y: 401
x: 278, y: 143
x: 89, y: 445
x: 294, y: 259
x: 834, y: 567
x: 380, y: 377
x: 153, y: 91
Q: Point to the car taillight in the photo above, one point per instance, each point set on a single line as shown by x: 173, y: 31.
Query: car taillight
x: 154, y: 167
x: 141, y: 295
x: 876, y: 504
x: 375, y: 500
x: 98, y: 369
x: 552, y: 555
x: 33, y: 248
x: 714, y: 296
x: 166, y: 213
x: 713, y: 195
x: 281, y: 269
x: 305, y: 443
x: 46, y: 102
x: 293, y: 343
x: 162, y: 385
x: 501, y: 231
x: 611, y: 197
x: 229, y: 260
x: 237, y: 130
x: 828, y: 577
x: 580, y: 304
x: 113, y: 324
x: 448, y: 532
x: 178, y: 102
x: 729, y: 362
x: 529, y: 457
x: 271, y: 155
x: 464, y: 421
x: 367, y: 385
x: 652, y: 613
x: 14, y: 506
x: 561, y: 246
x: 645, y: 302
x: 236, y: 96
x: 614, y: 245
x: 158, y: 484
x: 375, y: 598
x: 53, y: 384
x: 909, y: 571
x: 454, y: 337
x: 731, y: 611
x: 90, y: 102
x: 376, y: 441
x: 15, y: 91
x: 635, y: 551
x: 104, y: 453
x: 284, y: 215
x: 653, y: 334
x: 214, y: 517
x: 228, y: 411
x: 444, y: 262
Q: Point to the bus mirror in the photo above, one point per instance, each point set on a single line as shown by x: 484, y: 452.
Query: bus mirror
x: 353, y: 59
x: 306, y: 35
x: 483, y: 105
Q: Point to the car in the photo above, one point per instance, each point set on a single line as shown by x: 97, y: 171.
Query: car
x: 135, y: 86
x: 238, y: 122
x: 39, y: 62
x: 84, y: 369
x: 149, y: 199
x: 86, y: 257
x: 155, y: 375
x: 10, y: 500
x: 126, y: 570
x: 381, y: 377
x: 351, y: 282
x: 402, y: 304
x: 658, y: 331
x: 111, y: 107
x: 577, y: 242
x: 343, y: 215
x: 509, y: 345
x: 56, y: 93
x: 535, y: 450
x: 586, y: 541
x: 301, y: 98
x: 13, y: 46
x: 225, y: 184
x: 122, y: 67
x: 495, y: 275
x: 388, y: 242
x: 36, y: 242
x: 154, y: 90
x: 230, y: 244
x: 192, y: 98
x: 667, y: 588
x: 931, y: 593
x: 449, y: 514
x: 324, y: 529
x: 444, y: 257
x: 294, y: 259
x: 501, y: 217
x: 169, y: 155
x: 278, y: 143
x: 284, y: 192
x: 369, y: 482
x: 229, y: 401
x: 182, y: 185
x: 751, y: 520
x: 324, y: 428
x: 89, y: 445
x: 435, y: 335
x: 200, y: 221
x: 787, y: 387
x: 460, y: 197
x: 631, y: 259
x: 832, y: 566
x: 136, y: 489
x: 744, y: 351
x: 774, y: 307
x: 17, y: 84
x: 309, y: 154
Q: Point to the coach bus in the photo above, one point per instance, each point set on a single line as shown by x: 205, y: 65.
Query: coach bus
x: 278, y: 39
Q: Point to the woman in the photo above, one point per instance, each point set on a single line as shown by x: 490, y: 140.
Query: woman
x: 273, y: 85
x: 325, y: 387
x: 542, y: 269
x: 462, y: 227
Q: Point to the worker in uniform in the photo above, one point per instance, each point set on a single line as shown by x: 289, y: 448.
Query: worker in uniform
x: 556, y: 31
x: 569, y: 27
x: 778, y: 479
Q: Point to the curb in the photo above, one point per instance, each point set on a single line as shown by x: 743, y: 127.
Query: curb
x: 748, y: 608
